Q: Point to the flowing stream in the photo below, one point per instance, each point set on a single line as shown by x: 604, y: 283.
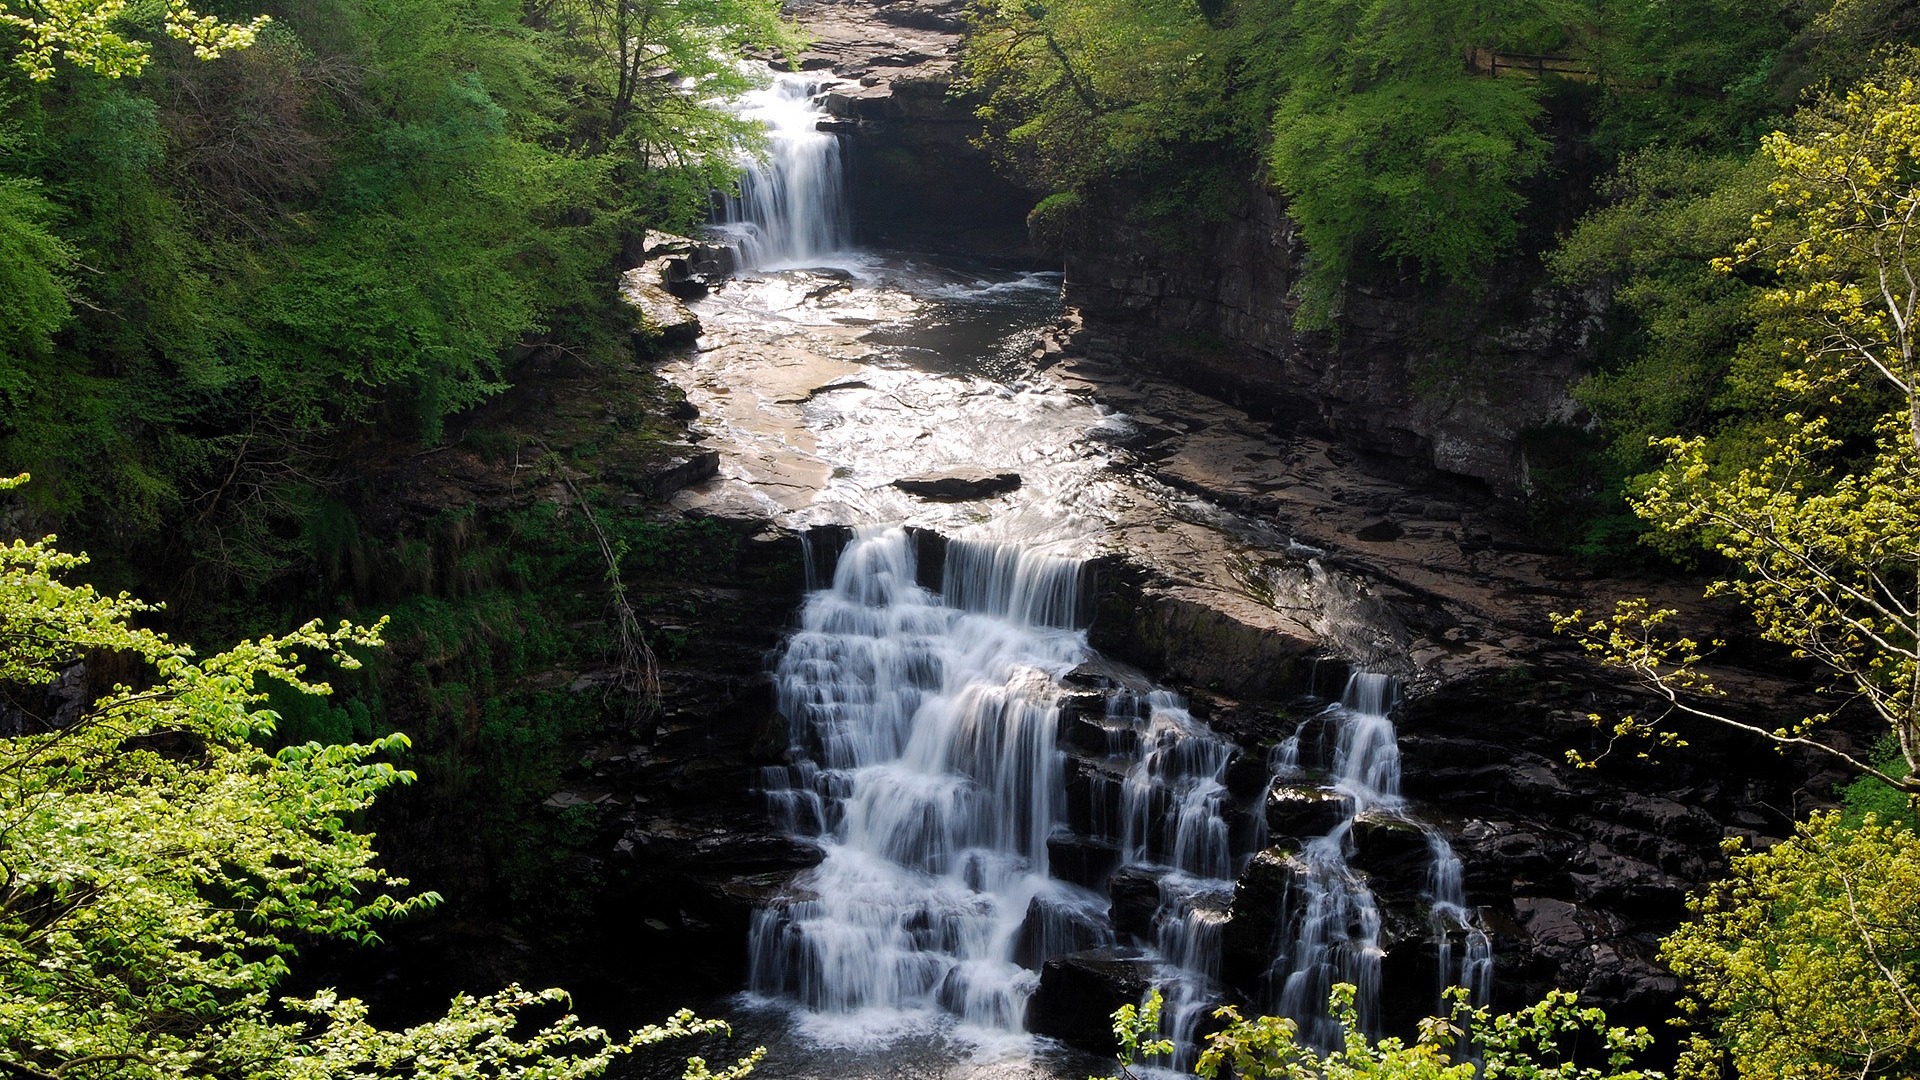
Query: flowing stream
x: 985, y: 793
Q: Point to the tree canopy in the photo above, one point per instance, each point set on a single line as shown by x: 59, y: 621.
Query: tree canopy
x: 1805, y: 961
x: 161, y: 866
x: 232, y: 244
x: 1824, y: 535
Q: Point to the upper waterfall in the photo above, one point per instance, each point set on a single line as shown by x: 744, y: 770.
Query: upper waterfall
x: 792, y: 206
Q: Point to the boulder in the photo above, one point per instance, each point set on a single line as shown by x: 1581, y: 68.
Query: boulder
x: 1302, y: 813
x: 1079, y: 992
x: 682, y: 467
x: 1393, y: 852
x: 661, y: 314
x: 1058, y: 925
x: 959, y: 485
x: 1136, y: 897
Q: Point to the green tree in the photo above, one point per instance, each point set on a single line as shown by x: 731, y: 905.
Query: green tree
x: 1827, y: 543
x: 1806, y: 959
x: 1805, y: 963
x: 1473, y: 1042
x: 160, y: 866
x: 33, y: 294
x: 1363, y: 112
x: 93, y: 34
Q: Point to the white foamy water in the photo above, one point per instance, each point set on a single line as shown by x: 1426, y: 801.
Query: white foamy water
x: 791, y: 209
x: 923, y: 726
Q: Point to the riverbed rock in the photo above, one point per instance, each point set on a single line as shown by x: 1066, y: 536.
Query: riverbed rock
x: 661, y: 314
x: 959, y: 485
x: 1301, y: 813
x: 1079, y: 992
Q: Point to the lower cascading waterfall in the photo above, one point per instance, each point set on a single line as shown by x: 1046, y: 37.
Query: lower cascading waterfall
x: 924, y: 763
x: 1331, y: 930
x: 1454, y: 922
x: 923, y: 757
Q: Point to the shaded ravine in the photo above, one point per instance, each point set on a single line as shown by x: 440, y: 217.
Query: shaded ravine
x: 924, y: 718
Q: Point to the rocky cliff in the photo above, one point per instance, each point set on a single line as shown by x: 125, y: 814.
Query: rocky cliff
x: 1424, y: 379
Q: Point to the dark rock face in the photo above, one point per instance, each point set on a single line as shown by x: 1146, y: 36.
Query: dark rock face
x: 1582, y: 871
x: 1086, y: 863
x: 1259, y: 914
x: 959, y: 485
x: 1392, y: 852
x: 1136, y: 896
x: 1429, y: 379
x: 1079, y: 992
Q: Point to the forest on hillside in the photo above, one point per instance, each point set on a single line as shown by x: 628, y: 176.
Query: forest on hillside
x: 248, y: 249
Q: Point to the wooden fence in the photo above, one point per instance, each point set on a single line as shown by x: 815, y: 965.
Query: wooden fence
x: 1525, y: 66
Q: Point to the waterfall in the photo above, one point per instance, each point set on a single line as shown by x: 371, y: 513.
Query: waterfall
x: 1173, y: 822
x: 1331, y: 930
x: 923, y: 758
x: 925, y: 763
x: 792, y: 207
x: 1451, y: 918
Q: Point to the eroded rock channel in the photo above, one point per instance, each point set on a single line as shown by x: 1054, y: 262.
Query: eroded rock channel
x: 1098, y: 683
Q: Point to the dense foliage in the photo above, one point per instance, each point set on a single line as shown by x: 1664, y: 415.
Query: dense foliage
x: 1822, y: 529
x: 1413, y: 133
x: 162, y: 868
x: 1805, y: 961
x: 217, y: 273
x: 1534, y: 1042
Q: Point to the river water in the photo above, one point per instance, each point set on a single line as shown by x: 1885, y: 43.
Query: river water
x: 926, y: 706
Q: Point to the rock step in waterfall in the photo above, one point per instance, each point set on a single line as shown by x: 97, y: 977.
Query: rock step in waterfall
x: 988, y: 811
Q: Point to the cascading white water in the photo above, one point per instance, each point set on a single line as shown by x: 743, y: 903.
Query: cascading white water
x: 792, y: 207
x: 1332, y: 928
x: 1171, y: 801
x: 924, y: 763
x: 1172, y: 816
x: 1451, y: 918
x: 923, y: 746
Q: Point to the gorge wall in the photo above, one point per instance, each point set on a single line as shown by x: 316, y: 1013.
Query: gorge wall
x: 1427, y: 380
x: 1334, y: 443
